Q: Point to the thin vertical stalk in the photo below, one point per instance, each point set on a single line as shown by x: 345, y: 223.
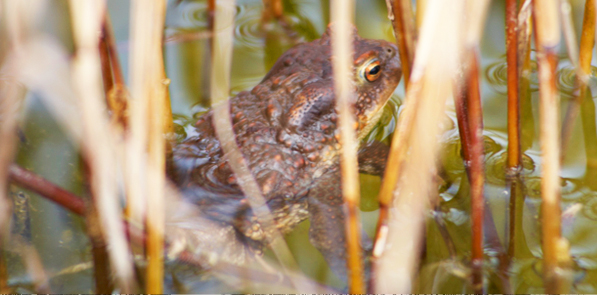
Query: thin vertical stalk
x: 590, y: 138
x: 432, y: 75
x: 587, y: 42
x: 420, y: 12
x: 547, y: 37
x: 513, y: 99
x: 399, y: 145
x: 342, y: 15
x: 99, y: 252
x: 219, y: 86
x: 470, y: 125
x: 404, y: 29
x: 105, y: 62
x: 114, y: 85
x: 149, y: 92
x: 524, y: 31
x: 86, y: 70
x: 477, y: 170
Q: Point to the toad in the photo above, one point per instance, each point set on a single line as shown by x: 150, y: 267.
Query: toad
x: 286, y: 130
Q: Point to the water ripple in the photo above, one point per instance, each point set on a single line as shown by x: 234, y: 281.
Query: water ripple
x: 497, y: 76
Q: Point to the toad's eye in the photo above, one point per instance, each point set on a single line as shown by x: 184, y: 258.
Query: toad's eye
x: 372, y: 70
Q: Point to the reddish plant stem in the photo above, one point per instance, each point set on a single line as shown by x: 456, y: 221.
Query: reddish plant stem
x: 38, y: 184
x: 477, y: 172
x: 405, y: 32
x: 513, y: 100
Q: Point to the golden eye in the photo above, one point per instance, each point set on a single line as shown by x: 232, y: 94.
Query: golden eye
x: 373, y: 70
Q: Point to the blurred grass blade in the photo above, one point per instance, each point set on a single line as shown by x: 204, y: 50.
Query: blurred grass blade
x: 220, y: 86
x: 342, y: 51
x: 98, y: 148
x: 547, y: 38
x: 420, y: 12
x: 148, y: 126
x: 398, y: 148
x: 435, y: 64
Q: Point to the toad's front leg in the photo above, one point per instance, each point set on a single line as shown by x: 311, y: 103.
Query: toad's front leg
x: 327, y: 215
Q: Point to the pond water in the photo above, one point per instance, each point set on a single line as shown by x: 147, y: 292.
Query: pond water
x: 60, y: 239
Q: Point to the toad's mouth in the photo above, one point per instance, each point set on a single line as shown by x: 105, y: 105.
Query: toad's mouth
x: 369, y: 119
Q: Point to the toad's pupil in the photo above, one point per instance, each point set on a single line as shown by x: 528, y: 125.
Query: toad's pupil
x: 374, y: 70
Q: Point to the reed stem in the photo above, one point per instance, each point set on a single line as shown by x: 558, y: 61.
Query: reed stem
x: 547, y: 37
x: 513, y: 99
x: 98, y: 146
x: 150, y: 92
x: 405, y: 33
x: 220, y: 85
x: 477, y: 170
x: 342, y: 15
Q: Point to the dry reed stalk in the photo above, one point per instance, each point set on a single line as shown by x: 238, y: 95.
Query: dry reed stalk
x: 547, y: 38
x: 587, y: 42
x: 342, y: 14
x: 401, y: 15
x: 97, y: 148
x: 433, y: 70
x: 420, y: 12
x: 150, y: 102
x: 220, y: 85
x: 396, y: 156
x: 513, y: 99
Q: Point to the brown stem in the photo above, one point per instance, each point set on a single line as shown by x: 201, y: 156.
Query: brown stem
x: 37, y: 184
x: 111, y: 46
x: 99, y: 248
x: 107, y: 77
x: 513, y: 100
x: 3, y: 273
x: 477, y: 170
x: 587, y: 42
x: 470, y: 124
x: 405, y: 32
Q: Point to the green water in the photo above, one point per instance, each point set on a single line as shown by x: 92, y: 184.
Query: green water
x: 62, y: 243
